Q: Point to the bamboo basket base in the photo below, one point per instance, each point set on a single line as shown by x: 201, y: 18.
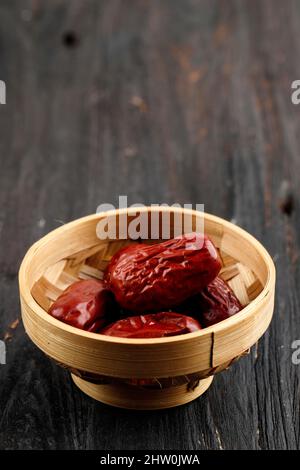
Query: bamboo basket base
x: 134, y: 398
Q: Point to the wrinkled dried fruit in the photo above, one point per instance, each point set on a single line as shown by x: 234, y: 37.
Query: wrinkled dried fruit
x: 218, y: 302
x: 215, y: 303
x: 157, y: 277
x: 156, y: 325
x: 86, y: 304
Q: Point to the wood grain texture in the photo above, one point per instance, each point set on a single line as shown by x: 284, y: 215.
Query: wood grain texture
x: 163, y: 101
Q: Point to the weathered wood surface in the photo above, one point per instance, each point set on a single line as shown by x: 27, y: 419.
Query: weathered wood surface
x: 165, y: 101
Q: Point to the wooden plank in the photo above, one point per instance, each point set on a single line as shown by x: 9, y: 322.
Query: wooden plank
x: 166, y: 102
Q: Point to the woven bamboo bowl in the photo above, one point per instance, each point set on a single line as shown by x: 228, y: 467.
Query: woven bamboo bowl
x: 113, y: 370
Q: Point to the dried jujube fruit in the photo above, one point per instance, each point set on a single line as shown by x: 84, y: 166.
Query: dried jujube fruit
x: 158, y: 277
x: 156, y: 325
x: 214, y: 303
x: 179, y: 275
x: 218, y: 302
x: 86, y: 304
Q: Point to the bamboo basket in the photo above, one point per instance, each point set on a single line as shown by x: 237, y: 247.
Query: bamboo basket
x: 143, y: 373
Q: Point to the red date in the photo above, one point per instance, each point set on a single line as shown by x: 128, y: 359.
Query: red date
x: 215, y: 303
x: 157, y: 277
x: 156, y: 325
x: 86, y: 304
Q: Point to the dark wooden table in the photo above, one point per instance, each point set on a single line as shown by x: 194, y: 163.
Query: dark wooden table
x: 163, y: 101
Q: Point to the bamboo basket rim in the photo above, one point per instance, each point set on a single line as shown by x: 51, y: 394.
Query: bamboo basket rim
x: 248, y: 310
